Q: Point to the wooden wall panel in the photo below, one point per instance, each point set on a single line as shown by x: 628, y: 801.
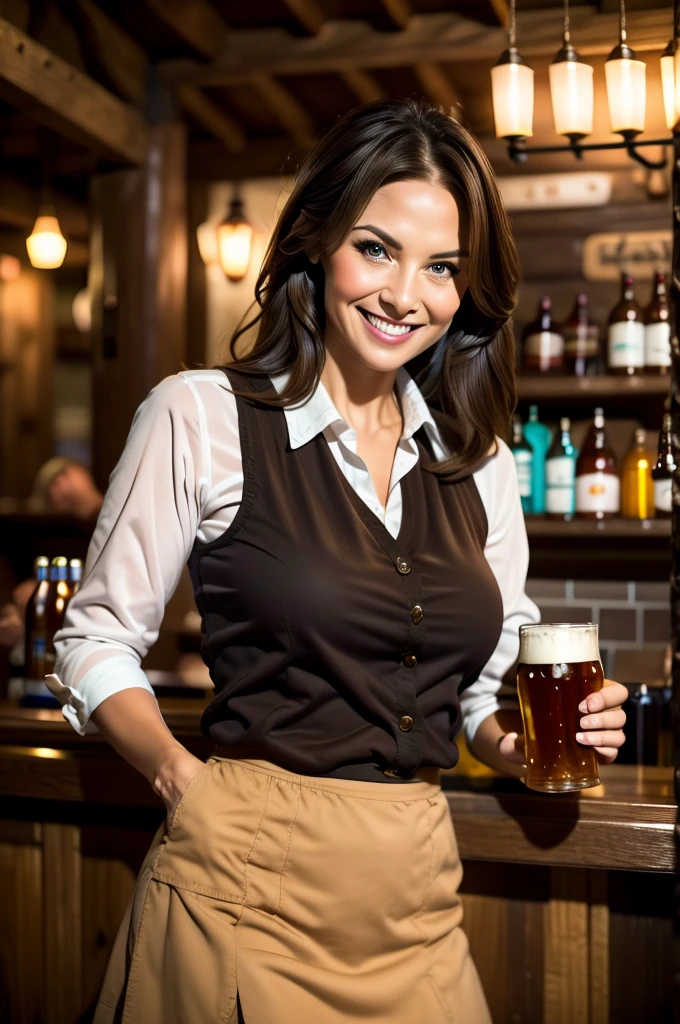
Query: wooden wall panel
x: 62, y: 917
x: 22, y: 978
x: 566, y: 948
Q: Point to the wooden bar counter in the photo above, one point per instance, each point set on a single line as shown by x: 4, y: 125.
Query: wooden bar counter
x: 568, y: 899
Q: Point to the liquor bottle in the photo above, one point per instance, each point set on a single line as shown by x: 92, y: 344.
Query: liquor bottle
x: 538, y: 435
x: 75, y: 575
x: 626, y: 333
x: 581, y: 341
x: 35, y: 635
x: 57, y: 600
x: 658, y: 330
x: 637, y: 486
x: 542, y: 343
x: 598, y: 488
x: 662, y: 473
x: 560, y: 474
x: 524, y: 458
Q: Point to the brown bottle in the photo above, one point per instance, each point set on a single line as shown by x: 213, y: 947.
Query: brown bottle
x: 35, y: 635
x: 637, y: 487
x: 626, y: 333
x: 542, y: 343
x: 58, y: 596
x: 662, y: 473
x: 598, y: 489
x: 658, y: 330
x: 581, y: 341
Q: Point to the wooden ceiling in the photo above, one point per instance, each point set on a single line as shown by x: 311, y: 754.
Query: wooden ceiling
x: 80, y: 80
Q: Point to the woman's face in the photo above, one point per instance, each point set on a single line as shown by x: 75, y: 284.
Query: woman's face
x: 394, y: 284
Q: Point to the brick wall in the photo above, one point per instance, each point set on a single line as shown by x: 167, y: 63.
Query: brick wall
x: 634, y: 621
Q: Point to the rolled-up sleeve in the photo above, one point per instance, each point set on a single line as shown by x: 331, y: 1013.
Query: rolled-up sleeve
x: 507, y: 552
x: 142, y: 540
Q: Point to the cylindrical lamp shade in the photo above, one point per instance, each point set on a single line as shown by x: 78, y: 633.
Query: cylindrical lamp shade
x: 206, y: 236
x: 512, y: 86
x: 626, y: 94
x: 46, y: 245
x: 571, y: 91
x: 234, y: 239
x: 668, y: 86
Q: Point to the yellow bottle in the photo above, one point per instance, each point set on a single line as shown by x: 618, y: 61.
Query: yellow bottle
x: 637, y: 486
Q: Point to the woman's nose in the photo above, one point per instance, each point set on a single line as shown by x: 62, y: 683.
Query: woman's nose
x: 401, y: 294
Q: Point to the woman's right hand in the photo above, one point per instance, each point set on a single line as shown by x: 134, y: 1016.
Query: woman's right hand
x: 174, y: 775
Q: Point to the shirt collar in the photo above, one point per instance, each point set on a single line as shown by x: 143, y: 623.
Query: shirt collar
x: 318, y: 412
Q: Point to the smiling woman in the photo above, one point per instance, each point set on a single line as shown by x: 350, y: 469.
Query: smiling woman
x: 394, y: 242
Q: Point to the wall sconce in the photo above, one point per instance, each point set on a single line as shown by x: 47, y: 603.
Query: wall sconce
x: 46, y: 245
x: 229, y: 243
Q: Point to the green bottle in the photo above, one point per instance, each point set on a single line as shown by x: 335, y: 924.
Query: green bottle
x: 524, y: 458
x: 539, y: 436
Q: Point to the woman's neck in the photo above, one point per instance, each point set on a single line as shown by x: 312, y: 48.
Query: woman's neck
x: 365, y: 398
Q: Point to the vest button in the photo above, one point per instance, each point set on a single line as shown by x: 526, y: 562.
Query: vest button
x: 403, y: 566
x: 417, y: 614
x: 406, y: 723
x: 409, y: 660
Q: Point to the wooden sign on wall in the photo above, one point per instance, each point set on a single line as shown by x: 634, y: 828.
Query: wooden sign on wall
x: 640, y: 253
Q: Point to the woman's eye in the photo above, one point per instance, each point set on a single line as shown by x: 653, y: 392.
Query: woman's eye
x: 374, y: 249
x: 442, y: 269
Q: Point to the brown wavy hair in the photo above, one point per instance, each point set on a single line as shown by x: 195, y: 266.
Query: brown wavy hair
x: 468, y: 376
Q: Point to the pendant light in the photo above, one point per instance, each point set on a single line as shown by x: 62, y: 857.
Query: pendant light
x: 234, y: 240
x: 668, y: 83
x: 626, y: 86
x: 512, y: 84
x: 571, y: 89
x: 46, y: 245
x: 206, y: 236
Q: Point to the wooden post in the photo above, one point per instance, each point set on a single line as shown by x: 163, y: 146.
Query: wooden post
x: 675, y: 525
x: 138, y: 282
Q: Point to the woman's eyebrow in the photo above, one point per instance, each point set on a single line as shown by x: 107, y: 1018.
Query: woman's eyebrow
x: 381, y: 233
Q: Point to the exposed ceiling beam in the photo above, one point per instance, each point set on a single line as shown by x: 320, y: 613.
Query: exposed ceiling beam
x: 212, y: 117
x: 312, y: 17
x: 502, y: 11
x: 430, y: 75
x: 429, y: 37
x: 266, y: 157
x: 19, y: 208
x: 195, y: 21
x: 123, y: 60
x: 200, y: 25
x: 58, y: 95
x: 290, y: 113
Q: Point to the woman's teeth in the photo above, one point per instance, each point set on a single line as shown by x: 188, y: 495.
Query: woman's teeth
x: 386, y: 328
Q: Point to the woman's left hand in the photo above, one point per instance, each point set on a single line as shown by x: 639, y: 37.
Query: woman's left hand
x: 603, y: 721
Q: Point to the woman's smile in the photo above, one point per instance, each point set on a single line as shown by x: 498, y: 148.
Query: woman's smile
x: 392, y: 332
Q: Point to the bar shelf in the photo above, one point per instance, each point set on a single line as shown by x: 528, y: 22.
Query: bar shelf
x: 603, y: 386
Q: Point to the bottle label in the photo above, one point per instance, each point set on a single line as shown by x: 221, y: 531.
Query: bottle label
x: 658, y: 344
x: 663, y: 495
x: 626, y: 344
x: 544, y: 349
x: 560, y: 490
x: 523, y: 460
x: 581, y: 343
x: 597, y: 492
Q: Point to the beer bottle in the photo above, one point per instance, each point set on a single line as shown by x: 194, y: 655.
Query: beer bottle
x: 658, y: 330
x: 626, y: 333
x: 560, y: 474
x: 581, y: 341
x: 542, y: 342
x: 637, y: 486
x: 524, y: 458
x: 597, y: 482
x: 662, y: 473
x: 75, y: 575
x: 35, y: 635
x: 58, y: 596
x: 539, y: 436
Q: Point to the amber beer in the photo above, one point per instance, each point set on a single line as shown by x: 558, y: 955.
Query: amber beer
x: 559, y: 665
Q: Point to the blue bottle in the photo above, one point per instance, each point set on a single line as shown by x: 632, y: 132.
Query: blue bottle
x: 524, y: 458
x: 539, y: 436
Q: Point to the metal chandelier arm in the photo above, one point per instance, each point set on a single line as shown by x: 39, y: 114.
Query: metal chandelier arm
x: 520, y: 152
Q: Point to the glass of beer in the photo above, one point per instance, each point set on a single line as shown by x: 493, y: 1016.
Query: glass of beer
x: 559, y: 665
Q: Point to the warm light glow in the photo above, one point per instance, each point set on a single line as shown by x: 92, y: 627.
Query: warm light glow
x: 668, y: 85
x: 206, y: 236
x: 81, y: 311
x: 10, y: 267
x: 513, y: 100
x: 626, y: 93
x: 234, y: 239
x: 676, y: 63
x: 46, y: 245
x: 571, y: 91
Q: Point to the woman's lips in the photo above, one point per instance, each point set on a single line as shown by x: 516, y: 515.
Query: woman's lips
x: 389, y: 339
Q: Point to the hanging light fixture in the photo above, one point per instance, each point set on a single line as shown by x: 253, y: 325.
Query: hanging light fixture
x: 626, y: 86
x: 234, y: 241
x: 512, y: 84
x: 668, y: 83
x: 46, y: 245
x: 571, y: 89
x: 206, y: 236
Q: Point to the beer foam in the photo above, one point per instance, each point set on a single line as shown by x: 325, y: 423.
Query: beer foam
x: 552, y: 644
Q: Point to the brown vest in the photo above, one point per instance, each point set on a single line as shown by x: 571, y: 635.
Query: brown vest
x: 334, y: 648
